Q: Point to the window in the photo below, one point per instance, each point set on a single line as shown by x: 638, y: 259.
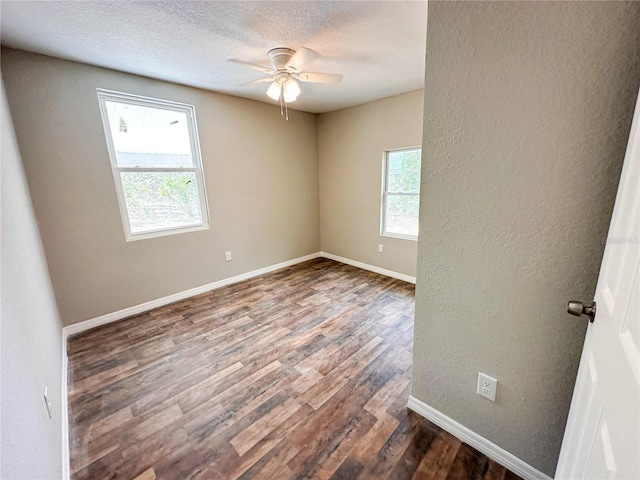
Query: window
x: 401, y: 193
x: 155, y: 157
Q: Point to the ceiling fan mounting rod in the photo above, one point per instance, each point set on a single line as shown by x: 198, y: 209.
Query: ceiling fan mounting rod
x: 279, y: 57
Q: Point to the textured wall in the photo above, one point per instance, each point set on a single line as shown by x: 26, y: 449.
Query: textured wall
x: 528, y: 107
x: 261, y: 174
x: 31, y: 345
x: 351, y: 143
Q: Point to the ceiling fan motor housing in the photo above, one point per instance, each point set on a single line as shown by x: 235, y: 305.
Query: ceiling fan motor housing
x: 279, y: 57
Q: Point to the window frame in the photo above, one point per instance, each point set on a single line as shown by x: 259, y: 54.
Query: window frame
x: 197, y: 168
x: 386, y: 193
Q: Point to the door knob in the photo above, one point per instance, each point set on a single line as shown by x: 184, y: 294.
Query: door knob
x: 578, y: 308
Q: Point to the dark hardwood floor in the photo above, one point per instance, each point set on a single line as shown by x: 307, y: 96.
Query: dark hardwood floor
x: 298, y: 374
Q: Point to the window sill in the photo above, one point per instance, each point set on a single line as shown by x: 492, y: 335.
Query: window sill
x: 400, y: 236
x: 165, y: 232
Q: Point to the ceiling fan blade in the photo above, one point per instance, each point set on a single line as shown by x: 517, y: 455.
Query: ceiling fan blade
x: 311, y: 77
x: 255, y: 66
x: 300, y: 59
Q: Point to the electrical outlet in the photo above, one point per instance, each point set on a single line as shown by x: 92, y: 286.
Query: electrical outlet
x: 487, y: 386
x: 380, y: 248
x: 227, y: 256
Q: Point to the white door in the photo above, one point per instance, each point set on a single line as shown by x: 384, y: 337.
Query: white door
x: 602, y: 439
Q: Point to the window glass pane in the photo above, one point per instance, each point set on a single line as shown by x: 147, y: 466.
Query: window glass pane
x: 158, y: 200
x: 149, y: 137
x: 402, y: 214
x: 403, y: 171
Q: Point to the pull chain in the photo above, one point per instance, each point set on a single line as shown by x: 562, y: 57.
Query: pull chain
x: 284, y: 110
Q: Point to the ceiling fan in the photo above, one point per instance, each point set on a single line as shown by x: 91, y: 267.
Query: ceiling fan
x: 287, y: 66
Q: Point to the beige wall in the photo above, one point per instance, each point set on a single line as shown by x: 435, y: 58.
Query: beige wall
x: 528, y: 109
x: 261, y: 174
x: 31, y: 340
x: 351, y: 143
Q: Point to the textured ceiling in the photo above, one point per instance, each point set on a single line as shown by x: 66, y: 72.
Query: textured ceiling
x: 379, y: 46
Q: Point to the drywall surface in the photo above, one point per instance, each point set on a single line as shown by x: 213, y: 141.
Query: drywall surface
x: 528, y: 107
x: 31, y: 331
x: 261, y: 175
x: 351, y: 145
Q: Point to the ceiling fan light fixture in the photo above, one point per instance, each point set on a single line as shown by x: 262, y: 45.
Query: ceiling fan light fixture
x: 291, y: 90
x: 287, y: 87
x: 274, y: 91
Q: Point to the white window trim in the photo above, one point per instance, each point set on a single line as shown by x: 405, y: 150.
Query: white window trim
x: 190, y: 112
x: 385, y: 194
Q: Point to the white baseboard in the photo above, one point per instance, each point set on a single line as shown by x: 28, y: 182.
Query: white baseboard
x: 161, y: 302
x: 64, y: 404
x: 490, y: 449
x: 371, y: 268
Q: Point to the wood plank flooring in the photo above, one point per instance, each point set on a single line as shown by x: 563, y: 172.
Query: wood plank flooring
x: 303, y: 373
